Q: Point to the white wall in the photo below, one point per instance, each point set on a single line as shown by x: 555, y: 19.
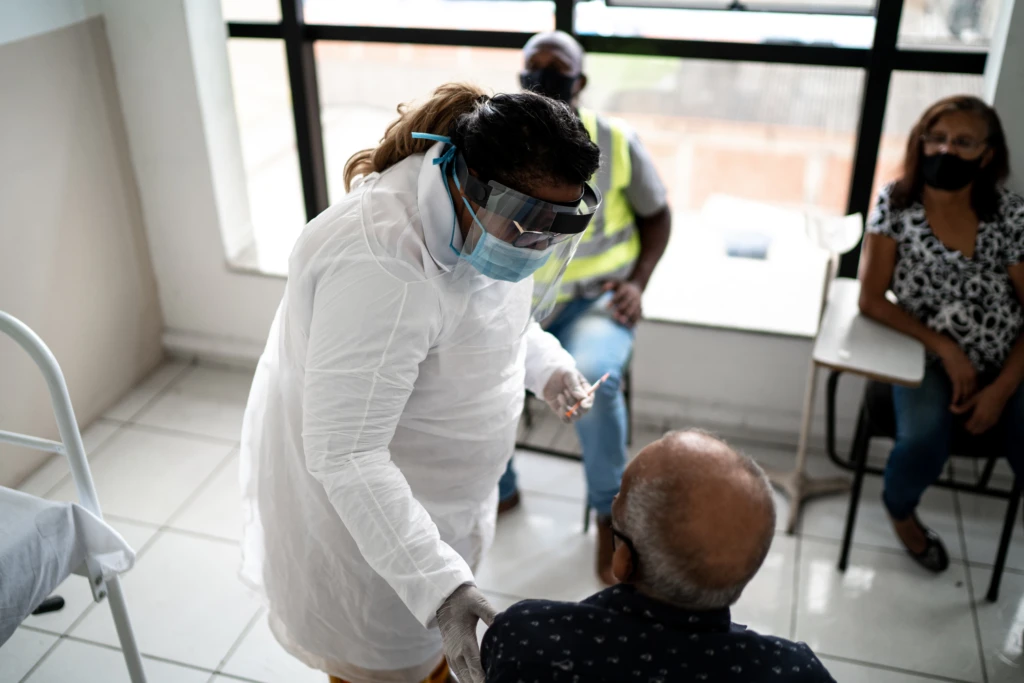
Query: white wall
x: 184, y: 146
x: 21, y: 19
x: 74, y: 263
x: 1004, y: 82
x: 170, y: 57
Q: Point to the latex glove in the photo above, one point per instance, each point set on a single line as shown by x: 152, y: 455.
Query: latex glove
x: 457, y: 619
x: 564, y: 390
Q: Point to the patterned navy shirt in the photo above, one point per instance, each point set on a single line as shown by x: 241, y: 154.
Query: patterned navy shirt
x: 623, y: 636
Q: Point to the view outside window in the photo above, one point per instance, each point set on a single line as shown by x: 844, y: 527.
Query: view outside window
x: 910, y: 93
x: 263, y: 103
x: 746, y: 150
x: 665, y: 19
x: 948, y: 23
x: 723, y: 135
x: 251, y: 10
x: 362, y: 84
x: 487, y: 15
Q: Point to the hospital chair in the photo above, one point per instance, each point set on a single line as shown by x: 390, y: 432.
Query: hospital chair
x: 72, y: 448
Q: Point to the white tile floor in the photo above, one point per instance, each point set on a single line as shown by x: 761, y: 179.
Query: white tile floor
x: 165, y: 462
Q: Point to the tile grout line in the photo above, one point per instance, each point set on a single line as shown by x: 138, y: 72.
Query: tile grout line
x: 886, y: 667
x: 896, y: 551
x: 162, y: 391
x: 969, y: 580
x: 198, y: 491
x: 121, y: 424
x: 260, y: 611
x: 41, y: 659
x: 183, y: 434
x: 155, y: 658
x: 98, y: 451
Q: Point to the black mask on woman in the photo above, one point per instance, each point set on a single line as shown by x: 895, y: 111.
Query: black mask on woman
x: 948, y: 171
x: 549, y: 82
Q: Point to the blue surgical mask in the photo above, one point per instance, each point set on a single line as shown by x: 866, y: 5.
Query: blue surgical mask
x: 499, y: 260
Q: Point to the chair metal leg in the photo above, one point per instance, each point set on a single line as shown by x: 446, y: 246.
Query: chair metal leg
x: 859, y: 454
x: 1004, y: 542
x: 119, y: 610
x: 627, y: 393
x: 586, y: 517
x: 527, y: 413
x: 986, y: 474
x: 831, y: 387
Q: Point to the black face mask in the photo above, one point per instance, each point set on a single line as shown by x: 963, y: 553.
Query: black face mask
x: 948, y: 171
x: 549, y: 82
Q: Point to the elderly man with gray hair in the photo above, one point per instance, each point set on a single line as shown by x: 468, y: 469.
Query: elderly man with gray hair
x: 693, y: 523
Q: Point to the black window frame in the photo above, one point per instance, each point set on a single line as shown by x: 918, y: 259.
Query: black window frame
x: 878, y: 62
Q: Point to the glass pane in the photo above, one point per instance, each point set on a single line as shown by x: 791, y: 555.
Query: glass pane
x: 627, y: 18
x: 361, y: 84
x: 724, y: 135
x: 948, y: 23
x: 910, y: 93
x: 812, y: 6
x: 488, y: 15
x: 263, y: 102
x: 251, y: 10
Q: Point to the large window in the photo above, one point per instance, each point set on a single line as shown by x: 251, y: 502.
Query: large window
x: 948, y: 23
x: 754, y: 118
x: 694, y: 21
x: 489, y: 15
x: 362, y: 84
x: 259, y: 74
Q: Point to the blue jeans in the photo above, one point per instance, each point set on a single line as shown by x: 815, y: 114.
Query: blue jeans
x: 924, y: 427
x: 587, y: 330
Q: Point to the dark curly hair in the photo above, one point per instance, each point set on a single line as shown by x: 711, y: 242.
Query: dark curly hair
x: 522, y: 140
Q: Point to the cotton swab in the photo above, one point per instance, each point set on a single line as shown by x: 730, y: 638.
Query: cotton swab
x: 572, y: 411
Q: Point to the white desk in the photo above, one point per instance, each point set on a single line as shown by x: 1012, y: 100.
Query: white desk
x: 849, y: 342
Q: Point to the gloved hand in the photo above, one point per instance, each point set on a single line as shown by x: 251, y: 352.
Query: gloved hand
x: 457, y: 619
x: 564, y: 390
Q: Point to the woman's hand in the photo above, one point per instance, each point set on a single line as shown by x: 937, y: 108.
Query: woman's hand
x: 986, y: 407
x: 960, y: 370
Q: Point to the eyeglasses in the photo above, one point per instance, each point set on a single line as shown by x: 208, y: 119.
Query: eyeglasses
x: 628, y: 543
x: 960, y: 143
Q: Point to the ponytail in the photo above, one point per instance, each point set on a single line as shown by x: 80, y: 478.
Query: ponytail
x: 436, y: 115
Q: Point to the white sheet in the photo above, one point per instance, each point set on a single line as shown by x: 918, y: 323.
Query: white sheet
x: 41, y: 543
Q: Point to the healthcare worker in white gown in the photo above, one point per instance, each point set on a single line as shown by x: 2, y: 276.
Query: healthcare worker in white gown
x: 386, y: 403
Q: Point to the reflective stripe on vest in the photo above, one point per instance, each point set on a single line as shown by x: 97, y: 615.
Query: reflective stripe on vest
x: 611, y: 244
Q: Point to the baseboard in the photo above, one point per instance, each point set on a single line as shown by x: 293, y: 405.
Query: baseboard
x: 761, y: 424
x: 241, y: 353
x: 756, y: 424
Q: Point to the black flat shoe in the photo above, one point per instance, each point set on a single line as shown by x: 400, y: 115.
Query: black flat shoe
x: 934, y: 557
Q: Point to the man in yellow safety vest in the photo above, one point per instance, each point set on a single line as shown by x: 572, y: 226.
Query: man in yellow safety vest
x: 600, y: 296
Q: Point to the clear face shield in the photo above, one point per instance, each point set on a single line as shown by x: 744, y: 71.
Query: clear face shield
x: 514, y: 238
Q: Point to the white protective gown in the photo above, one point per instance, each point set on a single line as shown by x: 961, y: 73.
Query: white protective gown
x: 382, y: 414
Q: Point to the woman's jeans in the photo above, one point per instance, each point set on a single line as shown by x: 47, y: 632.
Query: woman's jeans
x: 587, y: 330
x: 924, y: 427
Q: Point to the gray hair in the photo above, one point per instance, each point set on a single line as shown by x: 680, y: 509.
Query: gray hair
x: 667, y: 573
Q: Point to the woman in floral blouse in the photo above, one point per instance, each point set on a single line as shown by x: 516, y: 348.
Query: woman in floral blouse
x: 948, y: 239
